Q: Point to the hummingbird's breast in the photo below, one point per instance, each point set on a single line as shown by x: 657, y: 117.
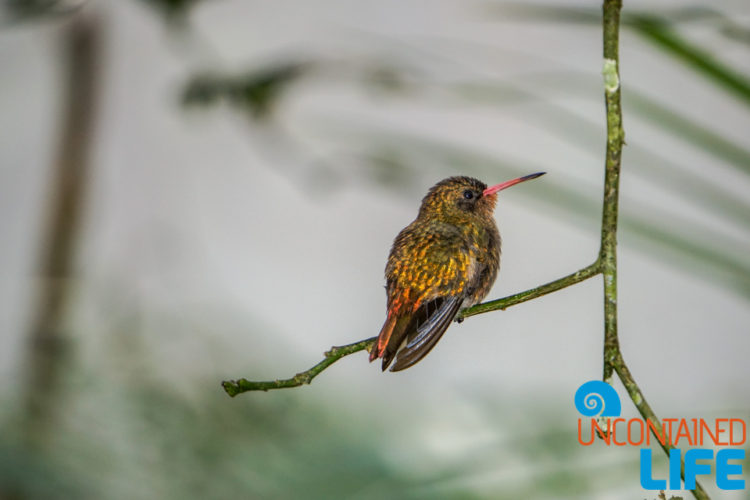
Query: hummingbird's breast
x: 484, y: 256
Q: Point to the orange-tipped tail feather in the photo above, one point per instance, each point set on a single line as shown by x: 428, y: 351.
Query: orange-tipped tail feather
x: 385, y: 334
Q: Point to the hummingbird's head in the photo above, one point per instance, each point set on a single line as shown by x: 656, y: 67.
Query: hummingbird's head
x: 464, y: 197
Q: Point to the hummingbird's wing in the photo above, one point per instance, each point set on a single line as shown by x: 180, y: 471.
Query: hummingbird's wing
x: 432, y: 319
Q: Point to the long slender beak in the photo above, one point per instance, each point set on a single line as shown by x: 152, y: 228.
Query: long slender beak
x: 499, y: 187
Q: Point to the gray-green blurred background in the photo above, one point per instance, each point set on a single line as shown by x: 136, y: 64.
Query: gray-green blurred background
x: 236, y: 172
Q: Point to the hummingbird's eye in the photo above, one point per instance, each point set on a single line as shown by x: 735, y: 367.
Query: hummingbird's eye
x: 469, y: 194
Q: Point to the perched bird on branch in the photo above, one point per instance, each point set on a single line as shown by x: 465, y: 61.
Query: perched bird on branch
x: 444, y: 261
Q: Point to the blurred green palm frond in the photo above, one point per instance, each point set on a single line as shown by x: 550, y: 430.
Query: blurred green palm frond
x: 257, y: 91
x: 659, y: 30
x: 174, y: 12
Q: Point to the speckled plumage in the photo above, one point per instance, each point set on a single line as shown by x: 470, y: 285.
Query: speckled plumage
x: 445, y: 260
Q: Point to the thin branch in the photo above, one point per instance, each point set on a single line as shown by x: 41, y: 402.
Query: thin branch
x: 234, y: 387
x: 648, y: 415
x: 615, y: 141
x: 613, y: 359
x: 553, y: 286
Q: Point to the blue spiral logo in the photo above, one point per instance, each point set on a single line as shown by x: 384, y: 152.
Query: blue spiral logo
x: 596, y: 398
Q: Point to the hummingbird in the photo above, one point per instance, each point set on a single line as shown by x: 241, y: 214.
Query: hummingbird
x: 446, y: 260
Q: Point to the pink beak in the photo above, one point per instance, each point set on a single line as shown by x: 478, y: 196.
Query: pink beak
x: 499, y: 187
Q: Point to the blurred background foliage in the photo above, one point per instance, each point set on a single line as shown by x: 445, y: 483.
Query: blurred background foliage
x: 138, y: 432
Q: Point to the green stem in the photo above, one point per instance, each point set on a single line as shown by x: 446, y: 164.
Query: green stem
x: 553, y: 286
x: 613, y: 359
x: 234, y: 387
x: 615, y: 140
x: 648, y: 414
